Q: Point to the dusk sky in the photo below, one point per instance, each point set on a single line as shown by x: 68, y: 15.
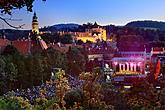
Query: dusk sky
x: 118, y: 12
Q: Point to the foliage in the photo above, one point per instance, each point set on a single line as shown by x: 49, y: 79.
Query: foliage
x: 55, y: 58
x: 142, y: 96
x: 10, y: 50
x: 147, y: 24
x: 51, y: 38
x: 36, y: 68
x: 66, y: 39
x: 62, y: 86
x: 44, y: 104
x: 80, y: 42
x: 14, y: 103
x: 136, y: 103
x: 133, y: 42
x: 92, y: 97
x: 72, y: 98
x: 8, y: 73
x: 76, y: 61
x: 19, y: 71
x: 56, y: 37
x: 9, y: 5
x: 113, y: 96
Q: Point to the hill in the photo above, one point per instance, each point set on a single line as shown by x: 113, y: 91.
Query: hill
x: 61, y: 27
x: 70, y: 25
x: 147, y: 24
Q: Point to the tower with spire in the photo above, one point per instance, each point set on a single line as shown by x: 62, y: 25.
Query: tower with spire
x: 35, y: 27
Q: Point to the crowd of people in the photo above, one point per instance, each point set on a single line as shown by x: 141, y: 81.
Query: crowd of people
x: 46, y: 90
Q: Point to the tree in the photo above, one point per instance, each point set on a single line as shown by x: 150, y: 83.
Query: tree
x: 7, y: 6
x: 76, y: 61
x: 51, y: 37
x: 8, y: 73
x: 10, y: 50
x: 55, y: 58
x: 14, y: 103
x: 92, y: 96
x: 142, y: 96
x: 66, y: 39
x: 80, y: 42
x: 62, y: 87
x: 133, y: 42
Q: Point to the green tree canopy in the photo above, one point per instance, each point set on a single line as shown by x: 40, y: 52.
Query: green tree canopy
x: 10, y: 50
x: 76, y: 61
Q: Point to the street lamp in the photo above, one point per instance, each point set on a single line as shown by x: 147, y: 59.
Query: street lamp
x: 52, y: 76
x: 108, y: 73
x: 53, y: 73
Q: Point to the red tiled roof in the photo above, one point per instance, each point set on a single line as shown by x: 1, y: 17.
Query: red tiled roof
x: 26, y: 46
x: 22, y: 46
x: 4, y: 42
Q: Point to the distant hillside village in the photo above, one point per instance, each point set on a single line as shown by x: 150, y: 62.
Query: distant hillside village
x: 127, y: 49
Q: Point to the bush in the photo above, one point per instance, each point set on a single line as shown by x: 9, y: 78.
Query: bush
x: 72, y: 97
x: 14, y: 103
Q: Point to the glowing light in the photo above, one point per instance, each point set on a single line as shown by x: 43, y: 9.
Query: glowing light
x: 108, y: 77
x: 139, y: 64
x: 127, y: 87
x: 106, y: 66
x: 52, y: 73
x: 115, y: 63
x: 158, y: 87
x: 131, y: 64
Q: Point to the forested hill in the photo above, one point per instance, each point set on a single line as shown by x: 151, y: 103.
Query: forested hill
x: 147, y: 24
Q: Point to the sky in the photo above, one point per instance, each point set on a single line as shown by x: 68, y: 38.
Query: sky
x: 104, y: 12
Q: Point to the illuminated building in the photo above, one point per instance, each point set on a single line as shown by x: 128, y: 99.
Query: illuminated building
x: 92, y: 34
x: 130, y: 62
x: 158, y: 51
x: 128, y: 65
x: 35, y: 27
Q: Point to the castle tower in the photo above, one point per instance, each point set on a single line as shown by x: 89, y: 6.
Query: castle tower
x: 35, y: 27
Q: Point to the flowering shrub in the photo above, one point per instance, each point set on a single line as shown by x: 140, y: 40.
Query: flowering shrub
x: 14, y: 103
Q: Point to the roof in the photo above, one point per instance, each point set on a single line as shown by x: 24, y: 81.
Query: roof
x: 127, y: 59
x: 23, y: 46
x: 4, y: 42
x: 57, y: 47
x: 158, y: 48
x: 43, y: 44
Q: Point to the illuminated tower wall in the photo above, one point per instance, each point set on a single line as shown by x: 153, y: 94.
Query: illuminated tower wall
x: 35, y: 27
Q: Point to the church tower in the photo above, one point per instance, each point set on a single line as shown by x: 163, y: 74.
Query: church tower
x: 35, y: 27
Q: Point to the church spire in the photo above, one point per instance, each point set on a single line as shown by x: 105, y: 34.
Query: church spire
x: 95, y: 25
x: 35, y: 27
x: 35, y: 16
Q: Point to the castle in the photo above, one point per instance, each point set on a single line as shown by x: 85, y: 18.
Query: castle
x: 92, y: 34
